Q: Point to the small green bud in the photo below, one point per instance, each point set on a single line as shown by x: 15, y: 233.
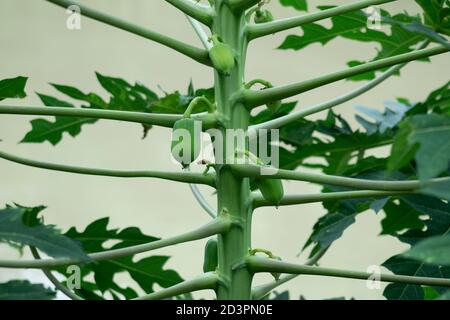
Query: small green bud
x: 263, y: 16
x: 222, y: 56
x: 186, y: 141
x: 271, y: 189
x: 211, y: 258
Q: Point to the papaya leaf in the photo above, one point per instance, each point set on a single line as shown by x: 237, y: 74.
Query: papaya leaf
x: 400, y: 217
x: 353, y: 26
x: 436, y: 14
x: 123, y: 96
x: 13, y: 88
x: 427, y: 139
x: 434, y: 250
x: 437, y: 223
x: 24, y: 290
x: 382, y: 121
x: 146, y: 272
x: 52, y: 131
x: 444, y: 296
x: 48, y: 239
x: 300, y: 5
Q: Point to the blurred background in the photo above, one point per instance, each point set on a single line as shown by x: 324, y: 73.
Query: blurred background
x: 36, y: 43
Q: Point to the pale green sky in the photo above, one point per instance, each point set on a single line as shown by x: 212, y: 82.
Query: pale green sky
x: 36, y: 43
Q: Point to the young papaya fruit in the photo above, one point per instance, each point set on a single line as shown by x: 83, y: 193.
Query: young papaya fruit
x: 186, y: 141
x: 263, y: 16
x: 221, y: 55
x: 211, y: 258
x: 271, y: 189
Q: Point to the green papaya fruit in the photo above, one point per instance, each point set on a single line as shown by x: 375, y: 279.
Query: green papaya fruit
x: 211, y: 258
x: 186, y: 141
x: 263, y: 16
x: 271, y: 189
x: 222, y: 56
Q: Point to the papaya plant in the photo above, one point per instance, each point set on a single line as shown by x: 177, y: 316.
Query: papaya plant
x: 410, y: 184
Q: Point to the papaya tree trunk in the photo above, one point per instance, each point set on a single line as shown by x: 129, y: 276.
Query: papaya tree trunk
x: 233, y: 192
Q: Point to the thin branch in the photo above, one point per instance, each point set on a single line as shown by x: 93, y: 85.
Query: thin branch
x: 257, y: 264
x: 242, y: 5
x: 259, y: 201
x: 163, y: 120
x: 281, y: 121
x: 254, y: 171
x: 219, y: 225
x: 58, y: 285
x: 186, y: 177
x: 260, y: 30
x: 261, y: 291
x: 200, y: 32
x: 206, y: 281
x: 194, y: 10
x: 197, y: 54
x: 257, y: 98
x: 202, y: 201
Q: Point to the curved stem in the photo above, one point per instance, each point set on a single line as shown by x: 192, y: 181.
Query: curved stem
x: 206, y: 281
x: 195, y: 102
x: 58, y: 285
x: 259, y: 201
x: 261, y: 291
x: 281, y: 121
x: 218, y: 226
x: 163, y: 120
x: 254, y: 171
x: 197, y: 54
x: 257, y: 98
x: 186, y: 177
x: 262, y: 82
x: 202, y: 201
x: 257, y: 264
x: 200, y: 32
x: 260, y: 30
x: 194, y: 10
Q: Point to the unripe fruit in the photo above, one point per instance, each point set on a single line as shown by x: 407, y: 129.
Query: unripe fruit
x: 263, y: 16
x: 271, y: 189
x: 222, y: 56
x: 211, y: 258
x: 186, y: 139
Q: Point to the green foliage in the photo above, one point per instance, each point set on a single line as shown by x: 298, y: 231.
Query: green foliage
x: 436, y: 14
x: 353, y: 26
x: 20, y: 226
x: 13, y: 88
x: 444, y: 296
x: 146, y: 272
x: 52, y: 131
x: 427, y: 138
x: 301, y: 5
x: 123, y: 96
x: 437, y: 223
x: 24, y: 290
x: 418, y: 134
x: 434, y: 250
